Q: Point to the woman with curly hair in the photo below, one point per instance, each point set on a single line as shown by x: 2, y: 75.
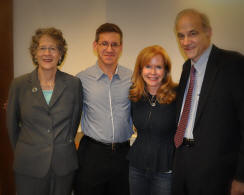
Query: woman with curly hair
x: 43, y: 115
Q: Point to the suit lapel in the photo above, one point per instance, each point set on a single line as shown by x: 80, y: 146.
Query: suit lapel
x: 208, y: 82
x: 37, y: 90
x: 58, y: 89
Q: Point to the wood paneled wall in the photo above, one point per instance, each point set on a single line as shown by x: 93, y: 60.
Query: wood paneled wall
x: 7, y: 186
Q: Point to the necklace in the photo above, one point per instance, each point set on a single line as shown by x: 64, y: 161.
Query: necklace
x: 152, y: 100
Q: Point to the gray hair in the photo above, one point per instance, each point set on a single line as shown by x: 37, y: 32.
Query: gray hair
x: 203, y: 17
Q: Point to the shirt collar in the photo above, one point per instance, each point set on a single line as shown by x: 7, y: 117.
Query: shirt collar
x: 201, y: 63
x: 99, y: 73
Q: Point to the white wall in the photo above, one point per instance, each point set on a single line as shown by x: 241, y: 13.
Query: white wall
x: 143, y: 22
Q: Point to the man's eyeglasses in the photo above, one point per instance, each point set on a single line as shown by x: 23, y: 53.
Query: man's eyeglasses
x: 105, y: 44
x: 50, y: 49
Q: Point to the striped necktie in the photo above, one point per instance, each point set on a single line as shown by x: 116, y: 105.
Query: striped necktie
x: 179, y: 135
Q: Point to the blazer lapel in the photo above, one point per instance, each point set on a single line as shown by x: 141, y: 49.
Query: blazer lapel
x: 37, y: 90
x: 58, y: 89
x: 209, y: 78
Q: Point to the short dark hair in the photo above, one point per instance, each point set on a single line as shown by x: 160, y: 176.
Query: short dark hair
x: 54, y: 33
x: 108, y: 27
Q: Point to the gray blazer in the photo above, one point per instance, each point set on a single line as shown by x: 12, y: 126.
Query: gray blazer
x: 42, y: 135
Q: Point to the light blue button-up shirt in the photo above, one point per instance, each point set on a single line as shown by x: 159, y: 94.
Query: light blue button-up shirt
x: 200, y: 67
x: 106, y: 108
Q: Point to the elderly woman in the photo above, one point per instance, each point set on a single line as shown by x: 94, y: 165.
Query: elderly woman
x: 43, y: 115
x: 153, y: 113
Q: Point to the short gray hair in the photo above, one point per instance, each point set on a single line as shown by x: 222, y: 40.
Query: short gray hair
x: 204, y: 18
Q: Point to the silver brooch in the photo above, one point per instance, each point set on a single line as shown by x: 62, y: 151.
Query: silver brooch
x: 34, y: 89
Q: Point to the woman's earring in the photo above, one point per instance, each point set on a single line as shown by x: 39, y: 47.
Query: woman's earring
x: 36, y: 62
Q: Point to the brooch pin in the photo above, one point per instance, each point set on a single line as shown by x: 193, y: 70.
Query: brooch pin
x: 34, y: 89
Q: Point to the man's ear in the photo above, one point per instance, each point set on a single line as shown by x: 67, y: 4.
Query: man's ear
x: 209, y: 32
x: 94, y: 45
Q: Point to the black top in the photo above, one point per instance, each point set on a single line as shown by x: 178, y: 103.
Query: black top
x: 154, y: 146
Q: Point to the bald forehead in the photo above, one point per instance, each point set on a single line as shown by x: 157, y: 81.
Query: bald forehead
x: 194, y: 16
x: 190, y: 16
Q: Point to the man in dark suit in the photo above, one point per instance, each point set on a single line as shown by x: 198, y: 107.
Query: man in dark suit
x: 209, y: 158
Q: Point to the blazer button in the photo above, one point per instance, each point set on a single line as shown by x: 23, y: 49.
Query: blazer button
x: 48, y: 131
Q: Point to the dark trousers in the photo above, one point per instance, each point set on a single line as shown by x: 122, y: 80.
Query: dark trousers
x: 102, y: 170
x: 51, y: 184
x: 191, y: 177
x: 146, y: 182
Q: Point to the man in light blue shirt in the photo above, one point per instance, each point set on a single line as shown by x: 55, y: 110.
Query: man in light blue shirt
x: 200, y: 67
x: 106, y: 120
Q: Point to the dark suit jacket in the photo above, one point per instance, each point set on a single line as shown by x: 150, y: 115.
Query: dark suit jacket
x: 42, y: 135
x: 219, y: 123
